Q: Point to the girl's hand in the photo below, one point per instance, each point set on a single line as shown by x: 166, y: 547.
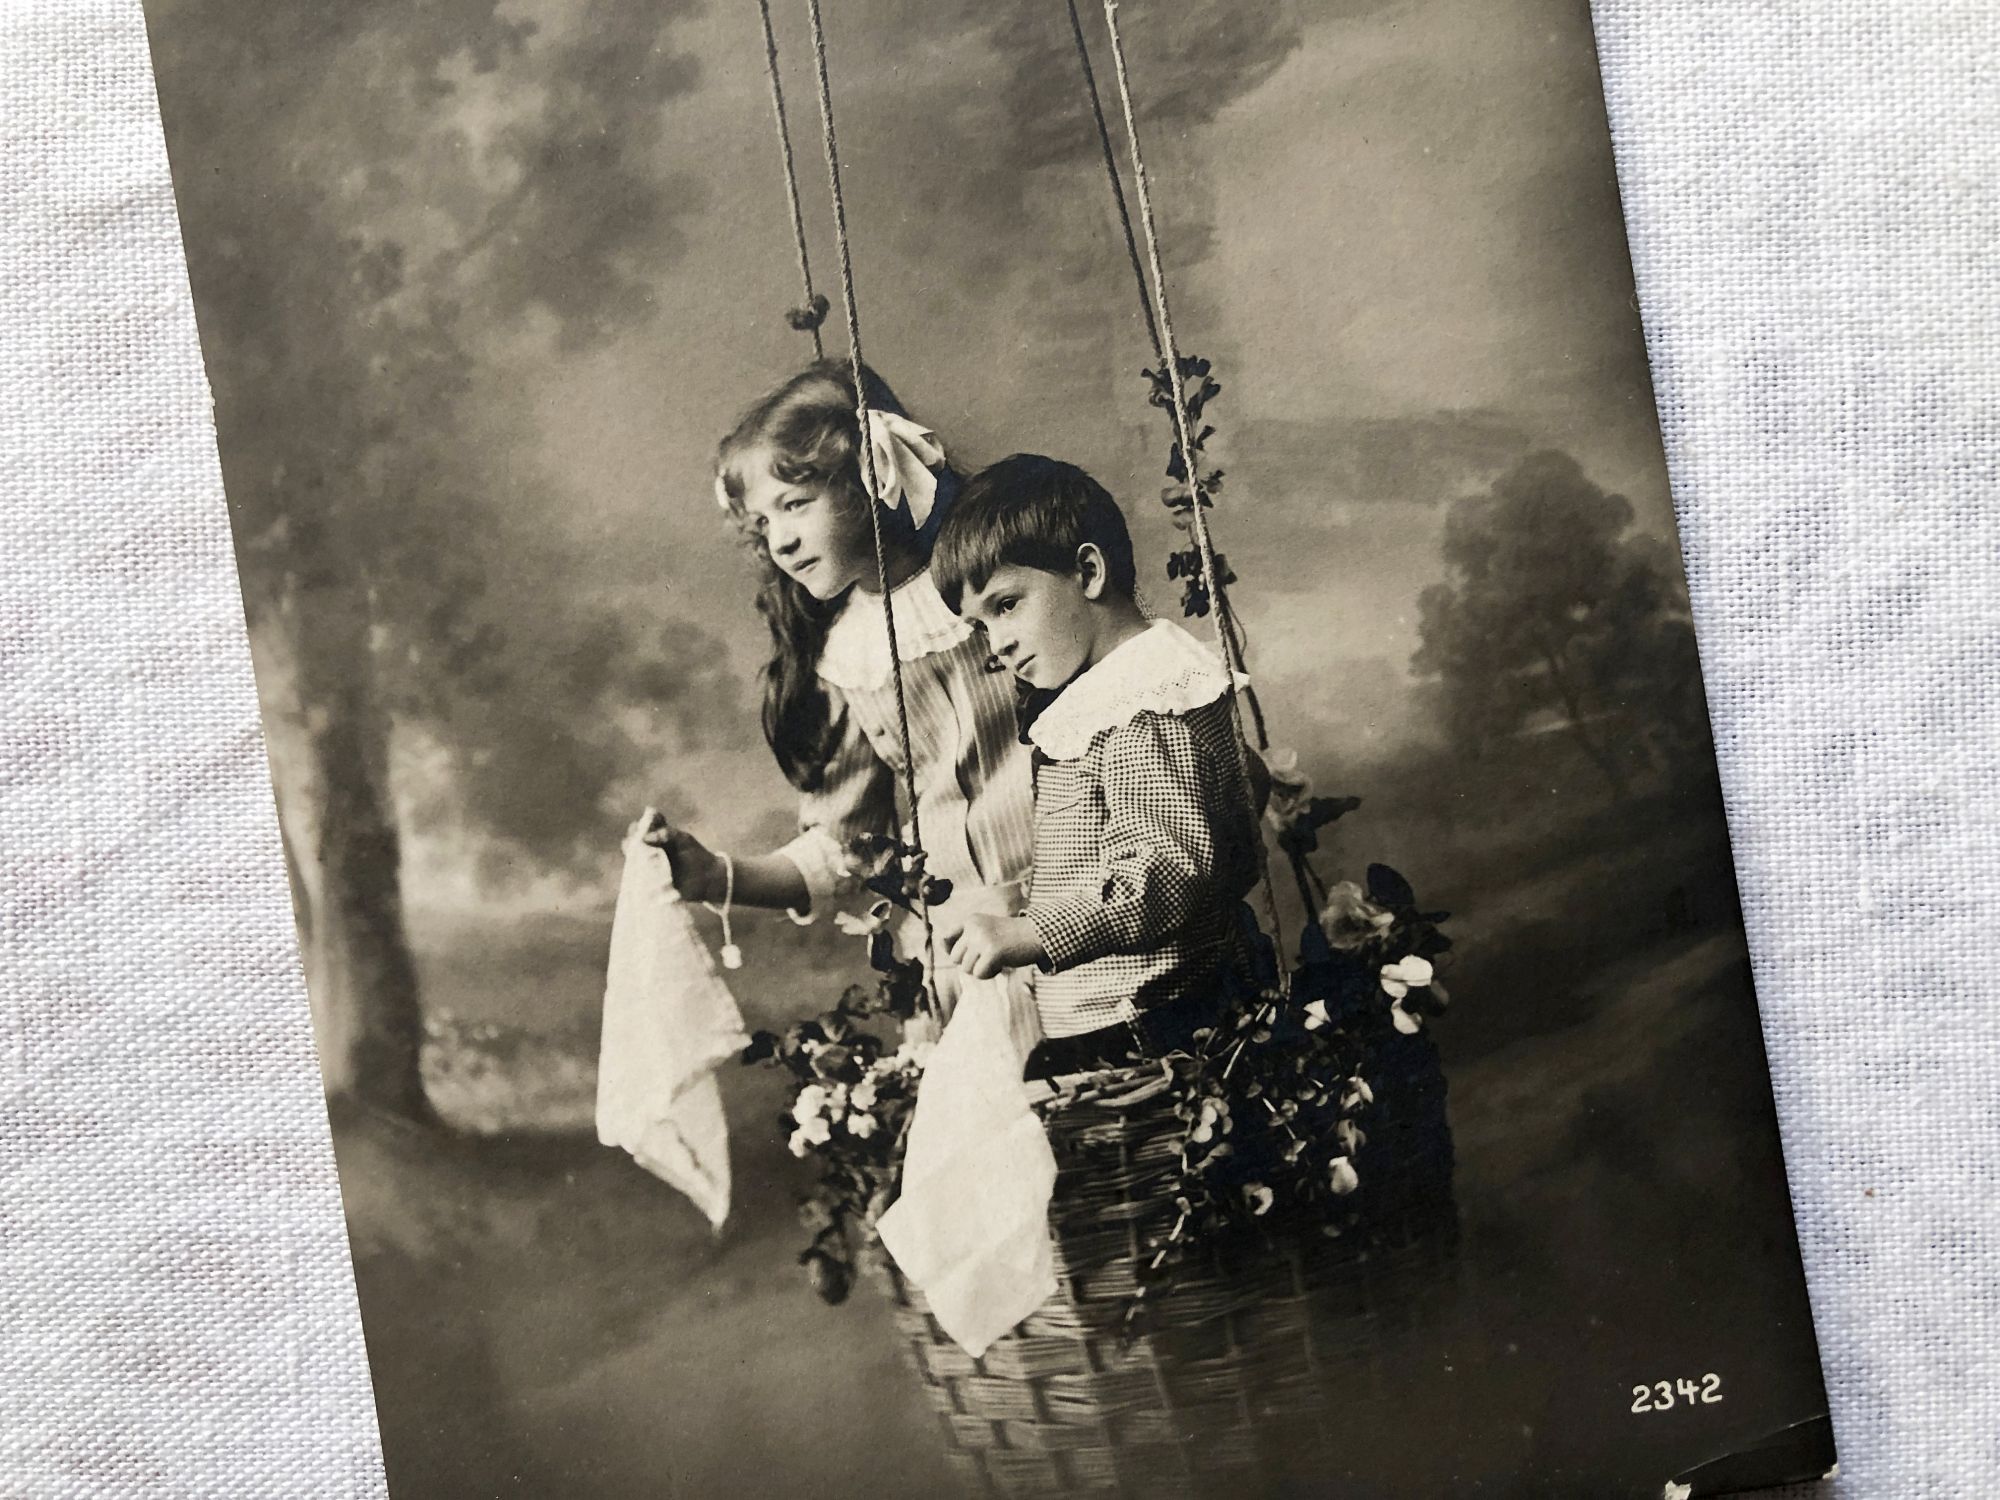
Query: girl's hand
x: 697, y: 869
x: 986, y: 944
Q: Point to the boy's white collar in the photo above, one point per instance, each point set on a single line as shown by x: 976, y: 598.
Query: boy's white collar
x: 1161, y: 670
x: 855, y: 656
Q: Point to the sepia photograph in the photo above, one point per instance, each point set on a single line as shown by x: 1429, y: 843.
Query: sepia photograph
x: 991, y: 750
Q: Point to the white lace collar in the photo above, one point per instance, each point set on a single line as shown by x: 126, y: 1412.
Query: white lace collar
x: 1161, y: 670
x: 856, y: 654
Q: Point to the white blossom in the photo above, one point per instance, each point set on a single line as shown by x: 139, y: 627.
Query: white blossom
x: 1406, y: 974
x: 810, y: 1104
x: 867, y: 925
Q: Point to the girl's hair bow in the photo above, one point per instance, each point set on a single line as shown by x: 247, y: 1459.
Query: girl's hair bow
x: 904, y: 454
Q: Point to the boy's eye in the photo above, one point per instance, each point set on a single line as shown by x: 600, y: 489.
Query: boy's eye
x: 1003, y: 606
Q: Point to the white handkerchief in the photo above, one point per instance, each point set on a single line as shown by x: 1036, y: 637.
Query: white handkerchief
x: 971, y: 1228
x: 668, y: 1021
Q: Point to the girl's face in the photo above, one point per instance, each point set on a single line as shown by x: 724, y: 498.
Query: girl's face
x: 819, y: 539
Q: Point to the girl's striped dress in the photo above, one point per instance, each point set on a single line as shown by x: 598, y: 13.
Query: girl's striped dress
x: 975, y: 794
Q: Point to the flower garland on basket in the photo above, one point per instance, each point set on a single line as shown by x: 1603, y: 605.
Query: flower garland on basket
x: 854, y: 1091
x: 1273, y: 1098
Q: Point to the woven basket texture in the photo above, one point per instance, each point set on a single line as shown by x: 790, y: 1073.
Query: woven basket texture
x: 1248, y: 1371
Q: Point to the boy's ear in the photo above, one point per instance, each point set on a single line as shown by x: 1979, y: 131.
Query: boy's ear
x: 1091, y: 570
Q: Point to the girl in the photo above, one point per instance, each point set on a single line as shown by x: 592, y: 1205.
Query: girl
x: 790, y: 477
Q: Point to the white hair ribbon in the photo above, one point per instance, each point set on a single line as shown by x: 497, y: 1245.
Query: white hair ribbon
x: 904, y: 454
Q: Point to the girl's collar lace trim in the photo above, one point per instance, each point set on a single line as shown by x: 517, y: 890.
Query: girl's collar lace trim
x: 856, y: 654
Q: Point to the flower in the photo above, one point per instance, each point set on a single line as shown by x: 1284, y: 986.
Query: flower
x: 861, y: 1124
x: 915, y: 1053
x: 863, y: 1095
x: 1317, y: 1015
x: 1404, y: 975
x: 1291, y: 789
x: 1357, y: 1093
x: 1259, y: 1197
x: 1341, y: 1176
x: 1213, y: 1112
x: 1350, y: 1136
x: 1404, y: 1021
x: 876, y: 918
x: 1350, y: 919
x: 814, y: 1132
x: 810, y: 1104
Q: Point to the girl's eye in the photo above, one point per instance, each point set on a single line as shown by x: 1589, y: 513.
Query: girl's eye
x: 1004, y: 607
x: 798, y: 502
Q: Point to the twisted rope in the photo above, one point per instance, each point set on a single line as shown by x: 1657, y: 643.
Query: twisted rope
x: 1117, y: 182
x: 811, y: 309
x: 1170, y: 356
x: 1233, y: 646
x: 867, y: 456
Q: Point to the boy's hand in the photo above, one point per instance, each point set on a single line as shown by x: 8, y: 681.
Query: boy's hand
x: 985, y: 945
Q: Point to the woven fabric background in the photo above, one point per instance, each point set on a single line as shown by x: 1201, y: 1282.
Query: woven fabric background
x: 1814, y: 195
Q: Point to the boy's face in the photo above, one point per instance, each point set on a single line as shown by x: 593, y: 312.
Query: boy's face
x: 1042, y: 626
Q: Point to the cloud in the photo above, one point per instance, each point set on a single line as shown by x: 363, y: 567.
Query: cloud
x: 1391, y: 222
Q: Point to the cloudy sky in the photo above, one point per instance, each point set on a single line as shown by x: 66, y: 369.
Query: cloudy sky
x: 1393, y: 225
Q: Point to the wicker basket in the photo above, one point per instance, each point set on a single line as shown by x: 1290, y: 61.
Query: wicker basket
x: 1248, y: 1368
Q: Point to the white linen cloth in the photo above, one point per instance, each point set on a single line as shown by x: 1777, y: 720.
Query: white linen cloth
x: 971, y: 1229
x: 669, y: 1020
x: 1811, y: 187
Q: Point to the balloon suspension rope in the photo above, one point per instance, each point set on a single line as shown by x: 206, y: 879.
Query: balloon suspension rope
x: 868, y: 479
x: 1170, y: 356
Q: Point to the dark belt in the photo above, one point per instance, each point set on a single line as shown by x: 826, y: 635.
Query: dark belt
x: 1160, y: 1030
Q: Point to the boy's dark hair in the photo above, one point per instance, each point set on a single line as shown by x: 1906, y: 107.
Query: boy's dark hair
x: 1031, y: 512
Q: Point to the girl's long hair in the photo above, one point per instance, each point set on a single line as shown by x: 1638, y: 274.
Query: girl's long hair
x: 809, y: 425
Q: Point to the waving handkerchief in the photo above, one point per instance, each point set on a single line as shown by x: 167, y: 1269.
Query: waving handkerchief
x: 971, y: 1229
x: 668, y: 1021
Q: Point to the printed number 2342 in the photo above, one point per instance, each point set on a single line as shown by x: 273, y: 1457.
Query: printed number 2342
x: 1665, y: 1395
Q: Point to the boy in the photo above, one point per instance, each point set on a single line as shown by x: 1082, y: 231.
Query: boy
x: 1145, y: 838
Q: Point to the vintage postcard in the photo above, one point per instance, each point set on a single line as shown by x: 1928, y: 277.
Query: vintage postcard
x: 991, y: 748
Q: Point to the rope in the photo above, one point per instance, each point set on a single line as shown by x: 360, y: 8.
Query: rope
x: 1117, y: 182
x: 809, y: 313
x: 867, y: 456
x: 1232, y: 647
x: 1170, y: 356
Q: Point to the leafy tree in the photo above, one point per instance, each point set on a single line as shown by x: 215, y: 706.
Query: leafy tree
x: 374, y: 197
x: 1553, y: 612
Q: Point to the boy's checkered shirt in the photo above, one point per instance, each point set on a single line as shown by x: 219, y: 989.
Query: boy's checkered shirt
x: 1145, y: 837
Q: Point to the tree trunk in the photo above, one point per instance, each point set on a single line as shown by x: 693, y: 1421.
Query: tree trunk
x: 1573, y: 706
x: 328, y: 740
